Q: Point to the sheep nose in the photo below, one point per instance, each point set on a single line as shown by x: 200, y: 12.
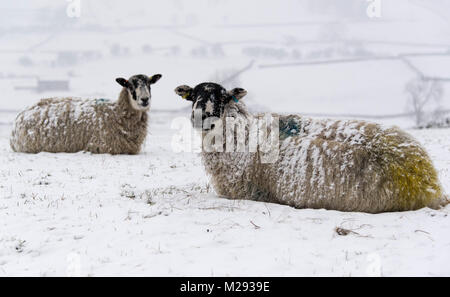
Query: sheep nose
x: 145, y: 101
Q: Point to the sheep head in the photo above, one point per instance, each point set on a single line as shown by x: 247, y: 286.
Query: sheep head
x: 209, y: 101
x: 139, y: 90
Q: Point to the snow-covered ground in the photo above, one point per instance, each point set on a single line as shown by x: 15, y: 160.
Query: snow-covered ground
x: 154, y: 214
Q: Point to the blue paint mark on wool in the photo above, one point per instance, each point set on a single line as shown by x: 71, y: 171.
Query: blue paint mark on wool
x: 289, y: 127
x: 102, y: 101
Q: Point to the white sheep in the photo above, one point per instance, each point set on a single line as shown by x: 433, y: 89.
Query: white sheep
x: 332, y: 164
x: 97, y: 126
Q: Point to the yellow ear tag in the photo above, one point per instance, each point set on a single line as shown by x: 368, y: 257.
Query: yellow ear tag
x: 185, y: 96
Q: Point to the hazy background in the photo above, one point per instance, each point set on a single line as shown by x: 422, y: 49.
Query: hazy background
x: 315, y: 57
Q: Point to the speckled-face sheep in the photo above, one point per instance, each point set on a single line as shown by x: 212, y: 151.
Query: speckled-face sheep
x: 97, y: 126
x: 345, y: 165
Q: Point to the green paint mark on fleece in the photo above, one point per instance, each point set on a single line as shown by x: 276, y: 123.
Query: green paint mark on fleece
x: 409, y: 169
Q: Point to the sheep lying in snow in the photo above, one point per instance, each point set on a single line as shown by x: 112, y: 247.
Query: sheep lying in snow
x: 332, y: 164
x: 97, y: 126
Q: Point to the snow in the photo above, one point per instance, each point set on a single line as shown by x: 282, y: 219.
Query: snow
x: 365, y: 87
x: 154, y: 214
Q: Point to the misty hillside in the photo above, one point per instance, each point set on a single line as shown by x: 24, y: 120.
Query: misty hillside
x: 218, y: 39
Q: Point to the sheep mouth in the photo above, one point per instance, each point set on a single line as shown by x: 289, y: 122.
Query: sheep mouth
x: 143, y: 106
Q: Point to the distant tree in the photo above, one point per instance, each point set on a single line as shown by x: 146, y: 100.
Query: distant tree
x: 199, y: 52
x: 227, y: 77
x: 175, y: 50
x: 296, y: 54
x: 333, y: 31
x: 67, y: 58
x: 147, y: 49
x: 423, y: 94
x: 25, y: 61
x: 217, y: 50
x: 117, y: 50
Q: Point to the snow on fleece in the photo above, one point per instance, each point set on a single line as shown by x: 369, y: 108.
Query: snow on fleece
x: 74, y: 124
x: 333, y: 164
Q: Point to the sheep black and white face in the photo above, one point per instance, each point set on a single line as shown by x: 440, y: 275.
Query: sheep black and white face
x: 208, y: 100
x: 139, y: 90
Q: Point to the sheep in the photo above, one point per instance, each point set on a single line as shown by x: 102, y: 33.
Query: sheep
x: 344, y: 165
x: 97, y: 126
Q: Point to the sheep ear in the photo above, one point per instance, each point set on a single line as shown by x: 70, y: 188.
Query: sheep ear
x: 237, y: 94
x: 184, y: 91
x: 122, y: 81
x: 155, y: 78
